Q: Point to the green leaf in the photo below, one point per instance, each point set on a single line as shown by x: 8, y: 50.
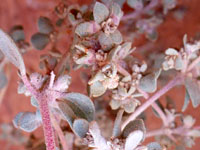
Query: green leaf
x: 39, y: 41
x: 44, y: 25
x: 81, y: 105
x: 186, y: 101
x: 120, y: 52
x: 80, y: 127
x: 105, y: 41
x: 96, y: 89
x: 116, y: 37
x: 67, y: 112
x: 134, y: 125
x: 17, y: 33
x: 11, y: 51
x: 133, y: 140
x: 193, y: 89
x: 116, y: 10
x: 86, y: 29
x: 34, y: 102
x: 27, y: 121
x: 149, y: 82
x: 100, y: 12
x: 136, y: 4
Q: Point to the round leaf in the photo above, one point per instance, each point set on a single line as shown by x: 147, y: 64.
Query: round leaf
x: 39, y: 41
x: 81, y: 105
x: 100, y: 12
x: 44, y: 25
x: 80, y: 127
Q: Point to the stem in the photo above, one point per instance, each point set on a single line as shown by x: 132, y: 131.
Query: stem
x: 47, y: 127
x: 60, y: 133
x: 121, y: 70
x: 138, y: 13
x: 151, y: 100
x: 161, y: 114
x: 193, y: 64
x: 155, y: 133
x: 42, y: 99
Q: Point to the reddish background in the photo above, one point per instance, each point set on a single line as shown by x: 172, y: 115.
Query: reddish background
x: 26, y: 12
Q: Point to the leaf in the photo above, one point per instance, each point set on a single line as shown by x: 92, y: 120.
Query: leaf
x: 26, y: 121
x: 186, y: 101
x: 161, y: 108
x: 99, y: 141
x: 10, y: 50
x: 81, y: 105
x: 154, y: 146
x: 86, y: 29
x: 116, y: 37
x: 96, y: 89
x: 80, y: 127
x: 116, y: 10
x: 120, y: 52
x: 34, y: 102
x: 44, y: 25
x: 120, y: 2
x: 133, y: 140
x: 39, y: 40
x: 105, y: 41
x: 149, y: 82
x: 100, y: 12
x: 136, y: 4
x: 115, y: 104
x: 62, y: 83
x: 193, y: 89
x: 130, y: 106
x: 17, y: 33
x: 3, y: 80
x: 117, y: 124
x: 134, y: 125
x: 67, y: 113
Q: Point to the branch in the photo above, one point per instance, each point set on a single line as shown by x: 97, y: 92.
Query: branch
x: 151, y: 100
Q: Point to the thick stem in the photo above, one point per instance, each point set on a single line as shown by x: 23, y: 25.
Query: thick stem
x: 151, y: 100
x: 42, y: 99
x: 47, y: 127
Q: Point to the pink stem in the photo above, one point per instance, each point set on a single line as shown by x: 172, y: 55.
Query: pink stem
x: 60, y: 133
x: 151, y: 100
x: 136, y: 14
x: 44, y: 109
x: 193, y: 64
x: 161, y: 114
x: 47, y: 127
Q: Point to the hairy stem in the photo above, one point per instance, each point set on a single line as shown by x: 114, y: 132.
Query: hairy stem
x: 60, y: 133
x: 42, y: 99
x: 47, y: 127
x: 152, y: 99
